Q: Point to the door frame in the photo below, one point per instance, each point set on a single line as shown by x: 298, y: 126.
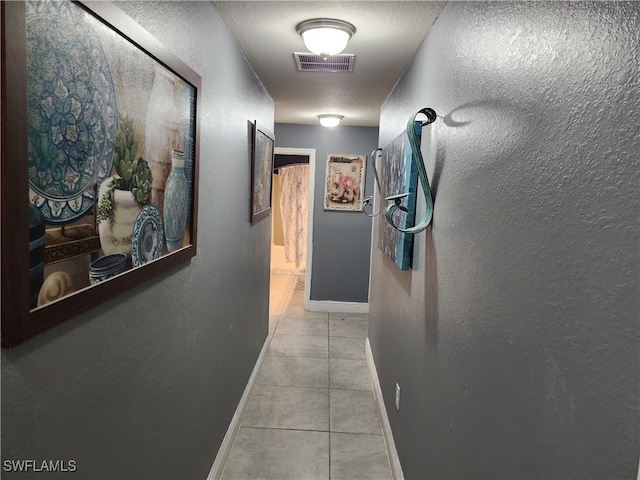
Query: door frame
x: 311, y: 153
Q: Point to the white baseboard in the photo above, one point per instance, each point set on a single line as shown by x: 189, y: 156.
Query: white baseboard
x: 227, y: 442
x: 394, y: 460
x: 329, y: 306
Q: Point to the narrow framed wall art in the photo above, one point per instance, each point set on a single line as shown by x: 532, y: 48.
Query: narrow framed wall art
x: 399, y: 175
x: 262, y: 153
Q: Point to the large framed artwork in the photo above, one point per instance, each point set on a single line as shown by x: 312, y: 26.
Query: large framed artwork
x: 399, y: 175
x: 261, y: 173
x: 100, y: 149
x: 344, y: 182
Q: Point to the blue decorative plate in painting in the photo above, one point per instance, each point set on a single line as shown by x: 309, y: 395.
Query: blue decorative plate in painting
x: 72, y: 113
x: 147, y: 238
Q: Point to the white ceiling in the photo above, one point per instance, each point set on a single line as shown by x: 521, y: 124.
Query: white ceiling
x: 388, y: 33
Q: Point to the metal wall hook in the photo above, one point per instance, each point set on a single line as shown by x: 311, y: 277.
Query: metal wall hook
x: 394, y: 201
x: 369, y: 199
x: 430, y: 113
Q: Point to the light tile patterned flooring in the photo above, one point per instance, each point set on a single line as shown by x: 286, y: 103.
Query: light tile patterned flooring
x: 311, y: 414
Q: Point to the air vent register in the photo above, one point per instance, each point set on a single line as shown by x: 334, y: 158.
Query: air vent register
x: 310, y: 62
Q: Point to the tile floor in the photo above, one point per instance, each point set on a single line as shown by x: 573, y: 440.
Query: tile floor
x: 311, y: 414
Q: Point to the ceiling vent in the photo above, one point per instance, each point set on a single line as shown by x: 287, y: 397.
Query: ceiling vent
x: 310, y: 62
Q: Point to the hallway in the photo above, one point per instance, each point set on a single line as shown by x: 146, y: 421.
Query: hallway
x: 311, y: 413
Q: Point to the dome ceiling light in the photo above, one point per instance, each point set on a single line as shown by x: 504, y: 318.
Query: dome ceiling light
x: 330, y: 120
x: 325, y: 36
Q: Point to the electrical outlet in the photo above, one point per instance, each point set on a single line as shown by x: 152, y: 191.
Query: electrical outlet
x: 397, y: 397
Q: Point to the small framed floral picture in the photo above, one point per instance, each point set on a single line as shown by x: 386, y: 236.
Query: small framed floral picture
x: 344, y: 183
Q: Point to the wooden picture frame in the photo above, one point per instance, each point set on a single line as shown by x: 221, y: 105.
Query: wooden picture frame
x: 262, y: 153
x: 344, y: 182
x: 82, y: 85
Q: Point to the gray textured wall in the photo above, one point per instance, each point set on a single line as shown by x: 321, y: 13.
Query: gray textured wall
x: 145, y: 386
x: 341, y: 240
x: 515, y: 338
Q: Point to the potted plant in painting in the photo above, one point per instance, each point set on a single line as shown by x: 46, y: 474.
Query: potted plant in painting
x: 122, y: 196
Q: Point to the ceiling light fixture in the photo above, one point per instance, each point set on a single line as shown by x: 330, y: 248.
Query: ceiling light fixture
x: 330, y: 120
x: 325, y: 36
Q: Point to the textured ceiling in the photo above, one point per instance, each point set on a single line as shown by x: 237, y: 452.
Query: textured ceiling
x: 388, y: 33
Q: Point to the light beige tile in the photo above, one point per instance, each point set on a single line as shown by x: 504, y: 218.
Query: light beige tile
x: 273, y: 323
x: 299, y: 346
x: 303, y: 326
x: 278, y: 454
x: 354, y: 411
x: 348, y: 316
x: 297, y: 311
x: 297, y: 297
x: 348, y: 325
x: 349, y: 374
x: 347, y: 348
x: 288, y: 407
x: 280, y: 288
x: 294, y: 372
x: 355, y: 456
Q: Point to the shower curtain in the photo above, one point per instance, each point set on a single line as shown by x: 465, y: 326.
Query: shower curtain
x: 294, y: 196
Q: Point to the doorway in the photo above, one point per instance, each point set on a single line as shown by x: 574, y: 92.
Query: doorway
x: 295, y: 264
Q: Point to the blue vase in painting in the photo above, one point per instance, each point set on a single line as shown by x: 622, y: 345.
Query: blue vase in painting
x: 176, y: 203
